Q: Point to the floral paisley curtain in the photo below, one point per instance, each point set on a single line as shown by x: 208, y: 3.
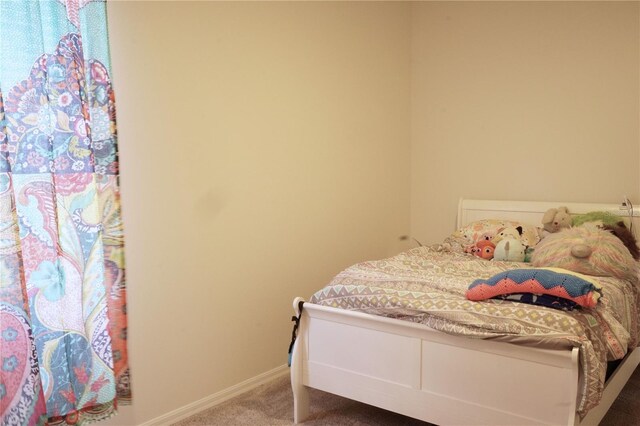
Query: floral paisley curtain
x: 63, y: 355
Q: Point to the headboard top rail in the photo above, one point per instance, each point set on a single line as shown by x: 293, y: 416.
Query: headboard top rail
x: 530, y: 212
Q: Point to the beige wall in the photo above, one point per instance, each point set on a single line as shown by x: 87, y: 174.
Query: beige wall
x: 264, y: 147
x: 522, y: 100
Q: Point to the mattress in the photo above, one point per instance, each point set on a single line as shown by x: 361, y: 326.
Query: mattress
x: 427, y: 285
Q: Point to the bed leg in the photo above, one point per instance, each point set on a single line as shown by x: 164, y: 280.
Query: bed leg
x: 298, y: 357
x: 300, y: 403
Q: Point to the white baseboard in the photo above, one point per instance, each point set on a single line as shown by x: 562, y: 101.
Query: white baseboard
x: 217, y: 398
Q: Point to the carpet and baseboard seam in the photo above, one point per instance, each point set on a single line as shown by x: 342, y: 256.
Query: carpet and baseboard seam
x: 267, y: 399
x: 217, y: 398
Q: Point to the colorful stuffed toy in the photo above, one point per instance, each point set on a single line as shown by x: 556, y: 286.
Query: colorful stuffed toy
x: 612, y: 223
x: 486, y: 249
x: 482, y: 248
x: 587, y: 249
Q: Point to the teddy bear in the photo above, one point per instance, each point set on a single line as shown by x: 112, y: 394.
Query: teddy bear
x: 587, y: 249
x: 554, y: 220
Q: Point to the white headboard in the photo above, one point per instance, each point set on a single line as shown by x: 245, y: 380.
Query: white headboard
x: 530, y: 212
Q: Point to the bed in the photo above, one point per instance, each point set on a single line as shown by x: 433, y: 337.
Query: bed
x: 430, y: 372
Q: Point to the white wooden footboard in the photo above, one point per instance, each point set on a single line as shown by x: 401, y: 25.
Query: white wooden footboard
x: 413, y: 370
x: 410, y: 369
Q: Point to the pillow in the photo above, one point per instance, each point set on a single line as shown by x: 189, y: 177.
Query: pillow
x: 581, y: 289
x: 489, y: 228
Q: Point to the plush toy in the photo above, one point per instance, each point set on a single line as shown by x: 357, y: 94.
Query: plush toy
x: 514, y: 232
x: 472, y: 249
x: 481, y: 248
x: 600, y: 218
x: 528, y: 236
x: 509, y: 249
x: 612, y: 223
x: 587, y: 249
x: 485, y: 249
x: 488, y: 236
x: 621, y: 231
x: 554, y: 220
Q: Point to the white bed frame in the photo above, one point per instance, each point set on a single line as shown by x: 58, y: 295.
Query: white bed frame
x: 444, y: 379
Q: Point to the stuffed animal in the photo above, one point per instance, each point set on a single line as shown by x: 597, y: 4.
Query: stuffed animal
x: 471, y: 249
x: 612, y: 223
x: 482, y: 248
x: 601, y: 218
x: 488, y: 236
x: 509, y: 249
x: 485, y: 249
x: 554, y: 220
x: 587, y: 249
x: 514, y: 232
x: 621, y: 231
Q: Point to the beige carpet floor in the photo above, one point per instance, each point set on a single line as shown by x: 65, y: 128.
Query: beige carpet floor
x: 272, y: 404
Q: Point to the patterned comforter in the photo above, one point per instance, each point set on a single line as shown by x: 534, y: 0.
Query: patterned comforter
x: 427, y: 285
